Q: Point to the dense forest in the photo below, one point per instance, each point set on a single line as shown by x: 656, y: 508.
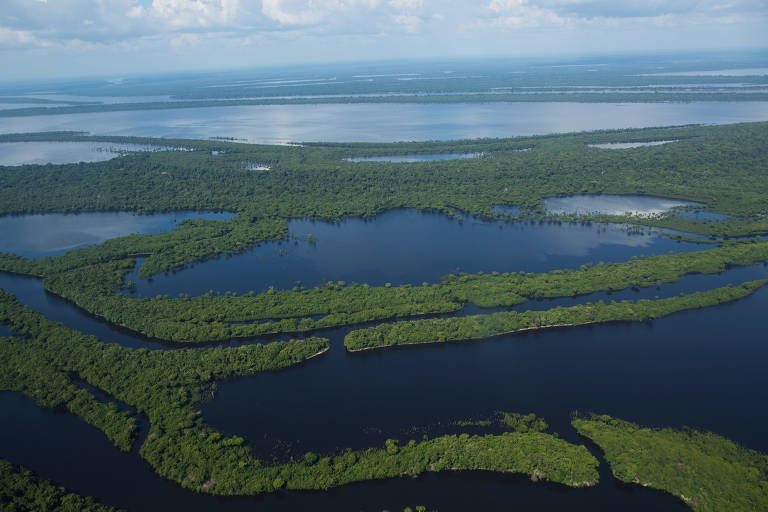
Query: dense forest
x: 435, y: 330
x: 21, y: 491
x: 708, y: 472
x: 722, y: 167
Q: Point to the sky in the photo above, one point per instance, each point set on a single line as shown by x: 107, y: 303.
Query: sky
x: 65, y: 38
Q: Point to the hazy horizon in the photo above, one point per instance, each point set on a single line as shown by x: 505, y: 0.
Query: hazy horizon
x: 45, y: 39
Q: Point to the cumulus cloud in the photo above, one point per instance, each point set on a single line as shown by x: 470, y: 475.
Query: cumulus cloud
x: 36, y: 24
x: 109, y: 21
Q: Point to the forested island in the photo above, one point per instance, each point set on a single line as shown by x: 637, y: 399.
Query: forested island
x: 707, y: 471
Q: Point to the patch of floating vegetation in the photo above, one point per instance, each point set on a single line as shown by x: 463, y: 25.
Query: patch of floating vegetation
x: 601, y: 204
x: 629, y: 145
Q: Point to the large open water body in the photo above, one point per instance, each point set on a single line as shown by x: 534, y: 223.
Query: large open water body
x: 701, y: 368
x: 390, y: 122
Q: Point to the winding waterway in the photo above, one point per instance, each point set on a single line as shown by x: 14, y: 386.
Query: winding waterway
x: 691, y: 368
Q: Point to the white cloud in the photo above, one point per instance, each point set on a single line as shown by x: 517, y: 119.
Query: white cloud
x: 325, y: 29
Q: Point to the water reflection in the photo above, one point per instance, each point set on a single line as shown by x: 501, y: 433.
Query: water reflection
x: 49, y: 234
x: 612, y: 205
x: 405, y: 247
x: 628, y: 145
x: 272, y: 124
x: 22, y: 153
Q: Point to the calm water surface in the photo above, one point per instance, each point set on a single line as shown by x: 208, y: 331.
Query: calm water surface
x: 629, y: 145
x: 691, y: 368
x: 390, y: 122
x: 613, y: 204
x: 405, y: 247
x: 49, y: 234
x: 21, y: 153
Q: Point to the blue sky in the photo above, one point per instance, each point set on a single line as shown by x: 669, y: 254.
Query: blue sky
x: 49, y: 38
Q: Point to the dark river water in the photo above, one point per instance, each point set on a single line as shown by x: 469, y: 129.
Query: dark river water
x: 272, y: 124
x: 406, y: 246
x: 701, y: 368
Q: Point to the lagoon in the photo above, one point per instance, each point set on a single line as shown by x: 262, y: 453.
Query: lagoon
x: 405, y: 247
x: 605, y: 204
x: 50, y: 234
x: 629, y: 145
x: 24, y: 153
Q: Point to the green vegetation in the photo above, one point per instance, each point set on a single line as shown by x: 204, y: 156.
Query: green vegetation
x: 435, y: 330
x: 89, y: 277
x: 165, y: 386
x: 21, y: 490
x: 720, y: 166
x: 511, y: 420
x: 708, y: 472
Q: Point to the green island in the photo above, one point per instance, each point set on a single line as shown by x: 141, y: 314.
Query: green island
x: 440, y: 330
x: 21, y: 490
x: 165, y: 385
x: 90, y: 278
x: 708, y: 472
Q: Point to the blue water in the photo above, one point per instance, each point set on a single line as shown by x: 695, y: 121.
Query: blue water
x: 700, y: 215
x: 50, y: 234
x: 613, y: 204
x: 390, y: 122
x: 405, y: 247
x: 20, y: 153
x: 48, y: 442
x: 701, y: 368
